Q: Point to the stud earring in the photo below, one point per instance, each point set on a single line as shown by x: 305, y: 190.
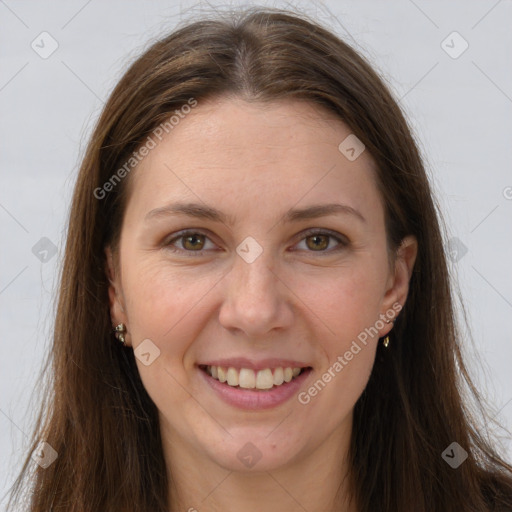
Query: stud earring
x: 119, y: 332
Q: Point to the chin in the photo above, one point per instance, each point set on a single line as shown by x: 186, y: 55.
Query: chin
x: 253, y: 452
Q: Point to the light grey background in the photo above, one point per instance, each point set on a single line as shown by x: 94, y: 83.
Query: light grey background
x: 460, y: 108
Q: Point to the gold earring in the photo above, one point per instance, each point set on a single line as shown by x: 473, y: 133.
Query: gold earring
x: 119, y: 332
x: 385, y: 342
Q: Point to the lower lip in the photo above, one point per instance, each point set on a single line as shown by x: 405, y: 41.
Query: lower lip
x: 250, y: 399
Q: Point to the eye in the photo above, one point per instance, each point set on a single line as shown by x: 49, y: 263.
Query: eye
x: 193, y: 243
x: 319, y: 241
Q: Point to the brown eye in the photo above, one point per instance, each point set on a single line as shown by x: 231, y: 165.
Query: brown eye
x: 318, y: 242
x: 323, y: 242
x: 189, y: 242
x: 193, y: 242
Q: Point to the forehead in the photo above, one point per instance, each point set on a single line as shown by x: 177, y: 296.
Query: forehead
x: 228, y: 148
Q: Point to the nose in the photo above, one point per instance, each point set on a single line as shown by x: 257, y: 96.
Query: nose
x: 257, y: 301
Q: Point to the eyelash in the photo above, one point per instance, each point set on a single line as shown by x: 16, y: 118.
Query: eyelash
x: 307, y: 234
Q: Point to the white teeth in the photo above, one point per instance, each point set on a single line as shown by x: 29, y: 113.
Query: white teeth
x: 232, y: 376
x: 249, y: 379
x: 264, y: 379
x: 221, y: 374
x: 278, y: 376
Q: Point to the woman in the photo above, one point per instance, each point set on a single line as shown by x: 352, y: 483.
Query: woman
x: 255, y: 310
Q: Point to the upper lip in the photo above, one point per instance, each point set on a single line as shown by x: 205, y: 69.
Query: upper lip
x: 243, y: 362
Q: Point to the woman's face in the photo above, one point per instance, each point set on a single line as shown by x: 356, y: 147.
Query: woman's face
x: 269, y: 276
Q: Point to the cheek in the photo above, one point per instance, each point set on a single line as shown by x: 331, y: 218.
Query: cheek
x: 159, y: 298
x: 165, y: 307
x: 347, y: 300
x: 169, y: 307
x: 348, y: 308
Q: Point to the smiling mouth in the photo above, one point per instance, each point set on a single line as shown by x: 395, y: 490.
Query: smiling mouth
x: 247, y: 378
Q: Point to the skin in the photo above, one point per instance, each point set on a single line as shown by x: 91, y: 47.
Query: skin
x: 254, y: 162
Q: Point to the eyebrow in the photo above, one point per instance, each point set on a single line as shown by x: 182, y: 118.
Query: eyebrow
x: 201, y: 211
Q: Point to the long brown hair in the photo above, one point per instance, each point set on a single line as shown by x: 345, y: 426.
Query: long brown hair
x: 99, y: 418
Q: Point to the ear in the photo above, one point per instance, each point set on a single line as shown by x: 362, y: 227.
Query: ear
x: 398, y: 282
x: 115, y: 292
